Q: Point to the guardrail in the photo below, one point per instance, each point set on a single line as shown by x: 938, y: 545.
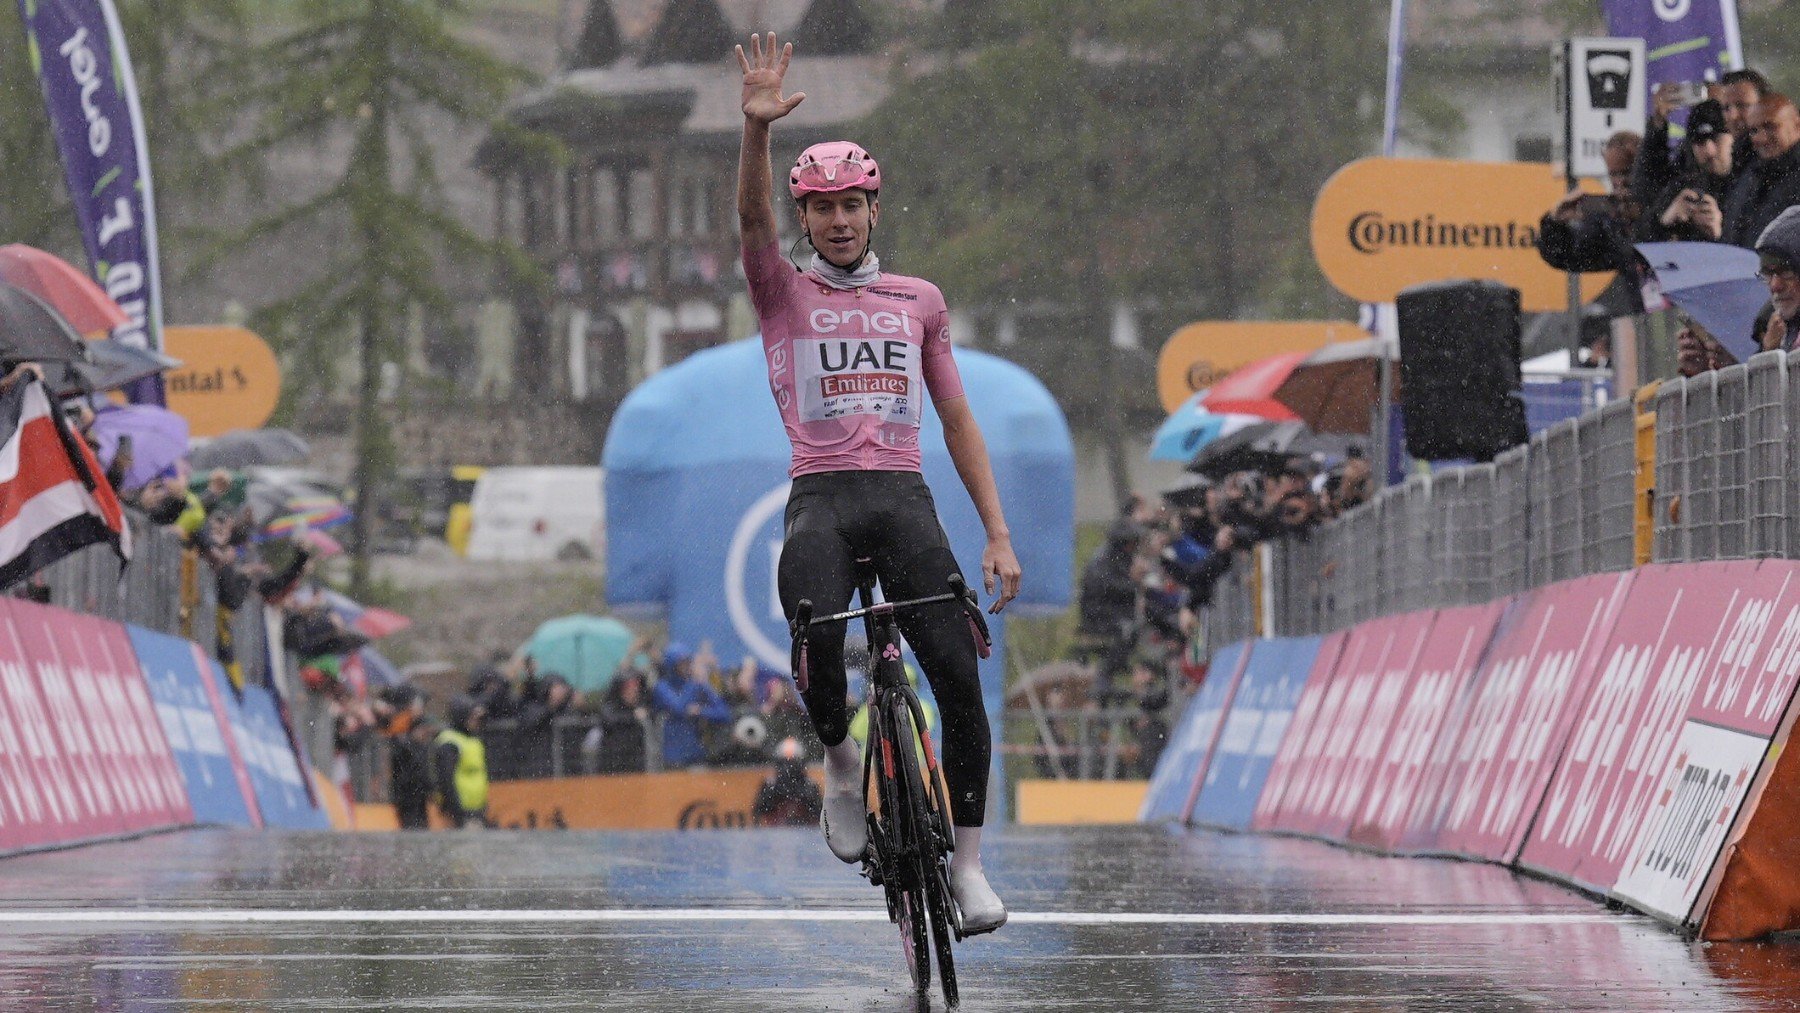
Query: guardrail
x: 1723, y: 483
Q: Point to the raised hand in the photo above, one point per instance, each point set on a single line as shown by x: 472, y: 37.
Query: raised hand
x: 764, y: 69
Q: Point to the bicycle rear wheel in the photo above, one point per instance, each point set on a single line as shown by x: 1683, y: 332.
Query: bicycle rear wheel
x: 900, y: 811
x: 931, y: 894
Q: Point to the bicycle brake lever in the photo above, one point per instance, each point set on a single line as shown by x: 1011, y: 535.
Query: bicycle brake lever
x: 978, y: 627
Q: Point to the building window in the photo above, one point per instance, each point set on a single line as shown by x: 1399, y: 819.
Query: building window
x: 641, y: 204
x: 678, y: 198
x: 606, y: 205
x: 702, y: 208
x: 574, y: 206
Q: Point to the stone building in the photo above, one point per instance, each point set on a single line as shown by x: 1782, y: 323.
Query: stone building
x: 633, y: 220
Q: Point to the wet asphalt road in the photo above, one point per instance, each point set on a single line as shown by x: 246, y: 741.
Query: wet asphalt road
x: 1117, y: 918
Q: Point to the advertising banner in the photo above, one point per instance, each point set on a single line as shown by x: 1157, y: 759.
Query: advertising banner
x: 198, y: 728
x: 1382, y: 225
x: 1719, y: 760
x: 89, y: 756
x: 1403, y: 772
x: 1685, y: 40
x: 1529, y: 691
x: 1674, y: 624
x: 1197, y: 355
x: 1178, y: 769
x: 1261, y: 710
x: 229, y: 379
x: 1283, y: 786
x: 282, y: 793
x: 90, y: 94
x: 1338, y: 726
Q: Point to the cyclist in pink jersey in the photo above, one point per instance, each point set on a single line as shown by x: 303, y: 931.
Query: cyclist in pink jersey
x: 853, y: 352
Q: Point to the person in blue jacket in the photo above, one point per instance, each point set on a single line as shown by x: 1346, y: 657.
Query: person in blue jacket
x: 684, y: 702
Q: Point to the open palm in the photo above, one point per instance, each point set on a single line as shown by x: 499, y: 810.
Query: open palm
x: 764, y: 69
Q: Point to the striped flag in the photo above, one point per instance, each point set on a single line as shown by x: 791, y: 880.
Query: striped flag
x: 53, y: 495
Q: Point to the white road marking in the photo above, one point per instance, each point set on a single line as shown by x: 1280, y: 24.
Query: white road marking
x: 234, y: 916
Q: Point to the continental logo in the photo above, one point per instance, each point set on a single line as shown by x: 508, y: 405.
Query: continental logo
x: 1383, y: 225
x: 1372, y: 233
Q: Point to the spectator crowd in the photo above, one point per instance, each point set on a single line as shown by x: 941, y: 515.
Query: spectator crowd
x: 1143, y: 591
x: 1734, y: 178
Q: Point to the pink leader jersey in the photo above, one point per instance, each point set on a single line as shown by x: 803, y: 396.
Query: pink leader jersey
x: 849, y: 367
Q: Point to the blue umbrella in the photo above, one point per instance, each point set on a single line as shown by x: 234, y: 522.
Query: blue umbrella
x: 1716, y: 284
x: 1190, y: 427
x: 586, y: 650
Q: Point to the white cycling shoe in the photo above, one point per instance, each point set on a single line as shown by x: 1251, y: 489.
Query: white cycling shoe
x: 846, y: 826
x: 981, y: 907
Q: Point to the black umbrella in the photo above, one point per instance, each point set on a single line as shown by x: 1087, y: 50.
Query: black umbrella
x: 114, y: 364
x: 1265, y: 447
x: 250, y: 448
x: 30, y: 331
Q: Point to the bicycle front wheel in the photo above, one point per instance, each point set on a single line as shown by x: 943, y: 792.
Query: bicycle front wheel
x: 900, y: 811
x: 930, y: 897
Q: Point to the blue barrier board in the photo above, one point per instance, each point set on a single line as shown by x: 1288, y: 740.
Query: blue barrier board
x: 1192, y: 736
x: 184, y: 705
x: 281, y: 789
x: 1265, y: 702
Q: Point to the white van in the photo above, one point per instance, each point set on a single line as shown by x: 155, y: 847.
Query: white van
x: 538, y: 513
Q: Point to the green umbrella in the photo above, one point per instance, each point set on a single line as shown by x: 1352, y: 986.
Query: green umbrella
x: 586, y: 650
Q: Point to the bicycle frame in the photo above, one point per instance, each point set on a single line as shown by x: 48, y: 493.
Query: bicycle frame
x: 912, y: 835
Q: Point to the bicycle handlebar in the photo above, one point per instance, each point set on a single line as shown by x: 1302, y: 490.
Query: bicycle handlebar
x: 959, y: 592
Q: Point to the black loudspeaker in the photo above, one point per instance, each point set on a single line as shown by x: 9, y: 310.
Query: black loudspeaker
x: 1459, y: 369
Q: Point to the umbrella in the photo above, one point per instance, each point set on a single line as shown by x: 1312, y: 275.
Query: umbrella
x: 31, y: 331
x: 1266, y: 447
x: 1073, y: 678
x: 1190, y: 427
x: 248, y: 448
x: 370, y: 621
x: 308, y: 512
x: 586, y: 650
x: 1716, y: 284
x: 69, y: 291
x: 159, y: 440
x: 1337, y: 388
x: 1250, y: 390
x: 114, y: 364
x: 1333, y: 390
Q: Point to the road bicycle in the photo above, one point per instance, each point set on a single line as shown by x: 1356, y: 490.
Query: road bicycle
x: 911, y: 836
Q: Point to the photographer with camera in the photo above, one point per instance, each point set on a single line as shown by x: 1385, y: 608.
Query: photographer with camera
x: 1691, y: 207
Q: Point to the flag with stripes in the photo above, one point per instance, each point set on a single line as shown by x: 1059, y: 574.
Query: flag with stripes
x: 53, y: 495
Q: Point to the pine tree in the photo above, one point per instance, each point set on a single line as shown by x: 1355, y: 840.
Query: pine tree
x: 385, y: 74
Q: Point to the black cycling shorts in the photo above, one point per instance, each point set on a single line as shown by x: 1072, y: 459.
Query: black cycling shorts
x: 888, y: 517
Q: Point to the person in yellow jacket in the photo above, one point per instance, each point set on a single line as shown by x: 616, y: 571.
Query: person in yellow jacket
x: 459, y: 763
x: 859, y: 722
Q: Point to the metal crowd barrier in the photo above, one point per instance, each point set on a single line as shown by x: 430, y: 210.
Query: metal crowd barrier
x: 164, y: 587
x: 1564, y: 505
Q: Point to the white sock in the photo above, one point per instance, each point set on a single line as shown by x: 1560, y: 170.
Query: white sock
x: 843, y: 767
x: 968, y: 849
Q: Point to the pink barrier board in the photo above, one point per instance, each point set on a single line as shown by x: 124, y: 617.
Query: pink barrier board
x: 1337, y: 726
x: 1669, y: 637
x: 78, y: 731
x: 1391, y: 685
x: 1282, y: 787
x: 1414, y: 758
x: 1529, y: 690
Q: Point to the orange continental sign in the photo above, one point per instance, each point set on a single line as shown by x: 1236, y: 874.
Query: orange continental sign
x: 228, y: 378
x: 1381, y: 225
x: 1199, y: 354
x: 679, y: 800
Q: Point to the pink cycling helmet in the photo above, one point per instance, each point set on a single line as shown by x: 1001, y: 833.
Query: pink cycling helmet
x: 833, y: 166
